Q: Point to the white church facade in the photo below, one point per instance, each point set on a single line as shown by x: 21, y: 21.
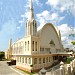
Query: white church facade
x: 37, y: 49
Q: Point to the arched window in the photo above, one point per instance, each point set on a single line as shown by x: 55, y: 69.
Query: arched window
x: 47, y: 59
x: 25, y: 60
x: 39, y: 60
x: 28, y: 45
x: 33, y: 46
x: 43, y: 60
x: 22, y: 59
x: 25, y: 46
x: 35, y: 60
x: 29, y: 60
x: 36, y: 46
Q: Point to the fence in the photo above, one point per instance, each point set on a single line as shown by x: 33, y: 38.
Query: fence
x: 68, y: 69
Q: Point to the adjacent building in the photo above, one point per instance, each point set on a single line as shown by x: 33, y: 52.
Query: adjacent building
x: 37, y: 49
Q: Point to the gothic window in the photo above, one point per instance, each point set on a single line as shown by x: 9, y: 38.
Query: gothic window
x: 35, y: 27
x: 33, y: 23
x: 39, y: 60
x: 41, y: 50
x: 35, y: 60
x: 47, y: 59
x: 43, y: 60
x: 29, y: 60
x: 22, y: 59
x: 28, y: 45
x: 25, y: 46
x: 26, y: 24
x: 19, y: 59
x: 25, y: 60
x: 36, y: 46
x: 33, y: 46
x: 47, y: 50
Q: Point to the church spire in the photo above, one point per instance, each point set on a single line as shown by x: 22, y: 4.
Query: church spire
x: 10, y: 42
x: 31, y: 11
x: 31, y: 25
x: 31, y: 5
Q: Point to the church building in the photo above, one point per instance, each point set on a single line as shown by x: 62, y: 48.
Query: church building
x: 37, y: 49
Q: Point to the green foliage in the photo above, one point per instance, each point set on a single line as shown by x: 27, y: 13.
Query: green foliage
x: 73, y: 42
x: 73, y: 35
x: 69, y: 59
x: 2, y: 54
x: 51, y: 42
x: 27, y: 72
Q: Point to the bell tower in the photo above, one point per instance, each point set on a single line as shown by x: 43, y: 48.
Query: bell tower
x: 31, y: 25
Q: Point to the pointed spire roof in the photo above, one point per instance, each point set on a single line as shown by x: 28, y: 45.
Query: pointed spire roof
x: 31, y: 5
x: 31, y: 16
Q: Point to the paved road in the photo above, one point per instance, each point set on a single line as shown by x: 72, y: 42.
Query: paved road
x: 6, y: 70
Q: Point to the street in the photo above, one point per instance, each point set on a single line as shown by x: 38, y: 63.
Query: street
x: 6, y: 70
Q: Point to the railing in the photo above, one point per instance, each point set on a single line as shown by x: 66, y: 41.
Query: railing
x: 54, y: 70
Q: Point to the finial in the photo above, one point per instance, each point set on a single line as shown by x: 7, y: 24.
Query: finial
x: 31, y: 5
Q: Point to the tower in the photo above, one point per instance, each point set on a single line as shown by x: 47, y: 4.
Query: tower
x: 31, y: 25
x: 59, y: 35
x: 10, y: 42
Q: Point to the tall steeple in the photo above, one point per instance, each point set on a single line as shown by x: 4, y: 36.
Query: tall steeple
x: 31, y: 11
x: 10, y: 42
x: 31, y: 25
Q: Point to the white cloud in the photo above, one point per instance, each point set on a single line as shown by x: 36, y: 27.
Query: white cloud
x: 27, y: 14
x: 42, y: 18
x: 27, y: 6
x: 38, y: 2
x: 54, y: 16
x: 18, y: 27
x: 46, y: 16
x: 65, y: 31
x: 22, y: 15
x: 62, y: 5
x: 62, y: 9
x: 20, y: 21
x: 53, y: 2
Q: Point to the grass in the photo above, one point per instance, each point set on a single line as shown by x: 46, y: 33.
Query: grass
x: 27, y: 72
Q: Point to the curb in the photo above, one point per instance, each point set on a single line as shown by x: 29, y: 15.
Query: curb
x: 17, y: 71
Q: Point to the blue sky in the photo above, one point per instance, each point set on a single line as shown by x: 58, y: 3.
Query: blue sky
x: 13, y: 15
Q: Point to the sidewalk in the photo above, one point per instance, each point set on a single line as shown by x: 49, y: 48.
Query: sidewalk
x: 19, y: 71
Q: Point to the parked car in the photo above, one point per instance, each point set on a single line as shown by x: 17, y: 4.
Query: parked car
x: 12, y: 62
x: 9, y: 63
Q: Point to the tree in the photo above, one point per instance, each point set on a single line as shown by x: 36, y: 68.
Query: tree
x: 52, y: 42
x: 2, y: 54
x: 73, y: 42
